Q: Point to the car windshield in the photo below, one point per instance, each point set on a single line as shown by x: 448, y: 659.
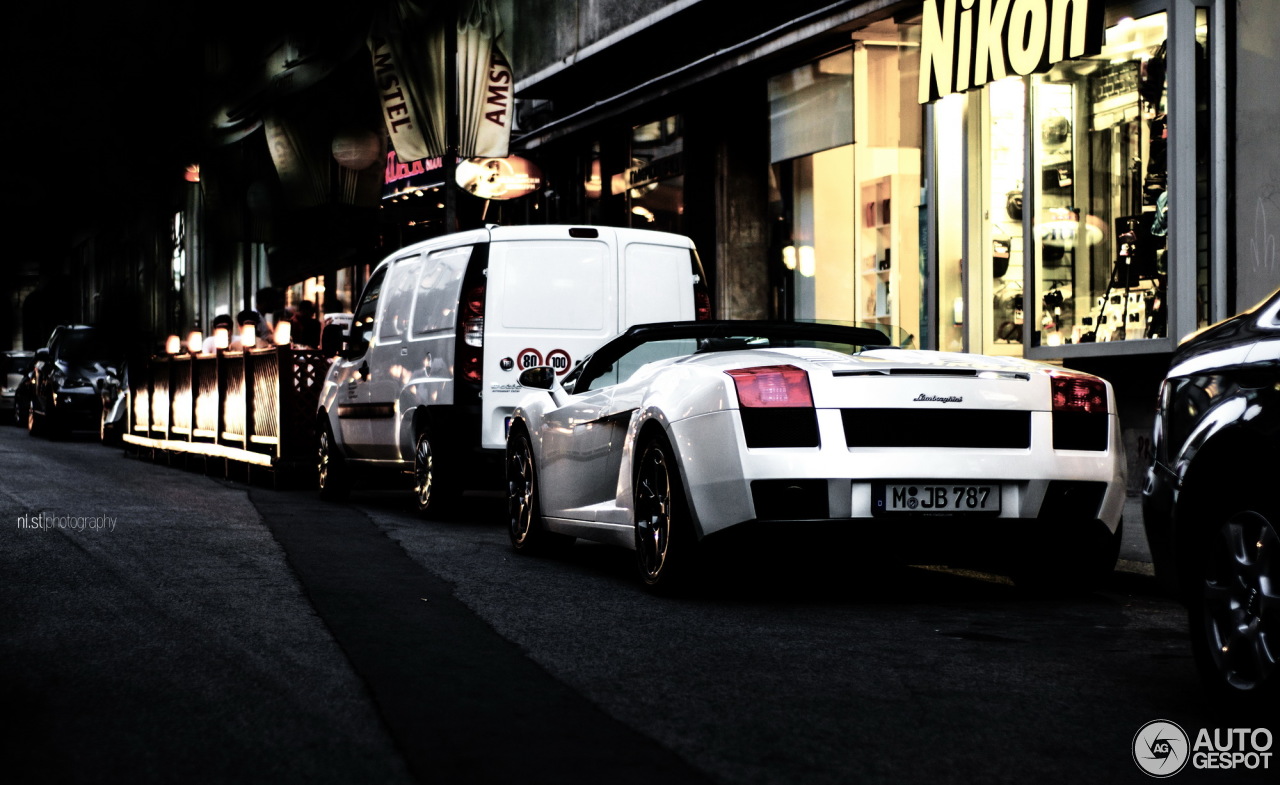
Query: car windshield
x: 79, y: 347
x: 617, y: 360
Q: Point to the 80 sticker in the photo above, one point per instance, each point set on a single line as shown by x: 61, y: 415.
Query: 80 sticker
x: 528, y: 358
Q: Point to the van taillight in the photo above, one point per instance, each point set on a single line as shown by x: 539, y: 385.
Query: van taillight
x: 473, y: 317
x: 701, y: 303
x: 1079, y: 394
x: 472, y: 369
x: 471, y: 326
x: 772, y: 386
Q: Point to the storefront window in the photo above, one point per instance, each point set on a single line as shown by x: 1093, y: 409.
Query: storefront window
x: 1100, y: 180
x: 1204, y: 196
x: 1002, y: 325
x: 654, y: 182
x: 846, y: 145
x: 949, y: 157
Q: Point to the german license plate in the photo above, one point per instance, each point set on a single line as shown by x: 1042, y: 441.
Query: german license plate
x: 950, y: 498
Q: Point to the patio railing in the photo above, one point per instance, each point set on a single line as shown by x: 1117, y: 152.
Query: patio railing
x: 256, y: 407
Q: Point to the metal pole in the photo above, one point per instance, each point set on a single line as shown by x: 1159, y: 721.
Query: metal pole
x: 451, y: 119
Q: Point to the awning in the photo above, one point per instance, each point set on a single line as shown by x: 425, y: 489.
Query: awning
x: 409, y: 46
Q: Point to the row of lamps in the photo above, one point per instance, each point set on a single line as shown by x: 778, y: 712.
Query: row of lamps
x: 222, y: 338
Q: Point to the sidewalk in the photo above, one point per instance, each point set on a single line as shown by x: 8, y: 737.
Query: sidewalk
x: 1135, y: 554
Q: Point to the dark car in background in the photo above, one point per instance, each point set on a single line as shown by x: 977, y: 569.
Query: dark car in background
x: 14, y: 367
x: 1211, y: 505
x: 66, y: 381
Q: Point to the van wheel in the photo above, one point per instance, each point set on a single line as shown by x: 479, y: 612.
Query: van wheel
x: 433, y: 491
x: 332, y: 473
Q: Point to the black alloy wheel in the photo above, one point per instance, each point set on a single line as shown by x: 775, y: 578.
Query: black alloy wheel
x: 524, y: 508
x: 1236, y: 619
x: 436, y: 489
x: 424, y: 473
x: 664, y: 534
x: 331, y: 467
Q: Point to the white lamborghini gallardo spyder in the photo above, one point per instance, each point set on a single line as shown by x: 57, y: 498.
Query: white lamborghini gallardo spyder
x: 672, y: 435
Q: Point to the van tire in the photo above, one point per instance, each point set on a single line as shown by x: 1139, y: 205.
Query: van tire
x: 435, y: 492
x: 332, y: 473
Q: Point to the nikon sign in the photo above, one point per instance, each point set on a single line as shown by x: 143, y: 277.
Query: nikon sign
x: 967, y: 43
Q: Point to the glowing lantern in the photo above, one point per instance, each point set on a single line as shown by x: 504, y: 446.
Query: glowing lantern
x: 356, y: 150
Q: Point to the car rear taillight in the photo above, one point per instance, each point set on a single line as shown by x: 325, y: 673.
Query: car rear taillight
x: 1079, y: 394
x: 772, y: 386
x: 1080, y: 420
x: 776, y: 406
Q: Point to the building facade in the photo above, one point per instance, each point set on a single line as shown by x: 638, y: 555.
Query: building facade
x: 1075, y: 181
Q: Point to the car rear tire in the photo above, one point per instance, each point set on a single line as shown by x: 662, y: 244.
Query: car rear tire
x: 36, y: 425
x: 332, y: 473
x: 1235, y: 619
x: 526, y: 528
x: 435, y: 493
x: 666, y: 547
x: 108, y: 433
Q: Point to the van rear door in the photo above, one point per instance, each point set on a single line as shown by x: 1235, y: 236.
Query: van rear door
x: 658, y: 283
x: 550, y: 301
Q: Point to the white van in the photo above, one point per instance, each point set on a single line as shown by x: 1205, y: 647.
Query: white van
x: 428, y: 374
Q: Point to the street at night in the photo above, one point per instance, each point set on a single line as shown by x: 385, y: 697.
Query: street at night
x: 167, y: 624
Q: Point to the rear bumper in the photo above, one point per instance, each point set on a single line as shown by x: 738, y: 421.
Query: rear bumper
x: 1036, y: 485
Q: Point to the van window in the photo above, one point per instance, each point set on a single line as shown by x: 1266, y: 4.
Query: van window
x: 438, y: 289
x: 658, y: 284
x: 553, y: 284
x: 398, y: 294
x: 362, y: 322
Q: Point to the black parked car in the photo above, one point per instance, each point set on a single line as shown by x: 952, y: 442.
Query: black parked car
x: 13, y: 369
x: 1211, y: 505
x: 65, y: 383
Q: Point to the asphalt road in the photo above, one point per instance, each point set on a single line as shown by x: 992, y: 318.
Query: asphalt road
x: 158, y: 624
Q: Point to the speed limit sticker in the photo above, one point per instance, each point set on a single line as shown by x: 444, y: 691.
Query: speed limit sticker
x: 559, y: 360
x: 528, y: 358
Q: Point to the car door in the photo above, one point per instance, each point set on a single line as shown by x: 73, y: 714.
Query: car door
x: 578, y: 440
x: 582, y: 441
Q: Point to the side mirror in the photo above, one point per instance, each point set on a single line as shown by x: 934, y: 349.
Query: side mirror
x: 43, y: 355
x: 541, y: 377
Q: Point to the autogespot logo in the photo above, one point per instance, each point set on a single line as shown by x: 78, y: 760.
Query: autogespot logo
x: 1160, y: 748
